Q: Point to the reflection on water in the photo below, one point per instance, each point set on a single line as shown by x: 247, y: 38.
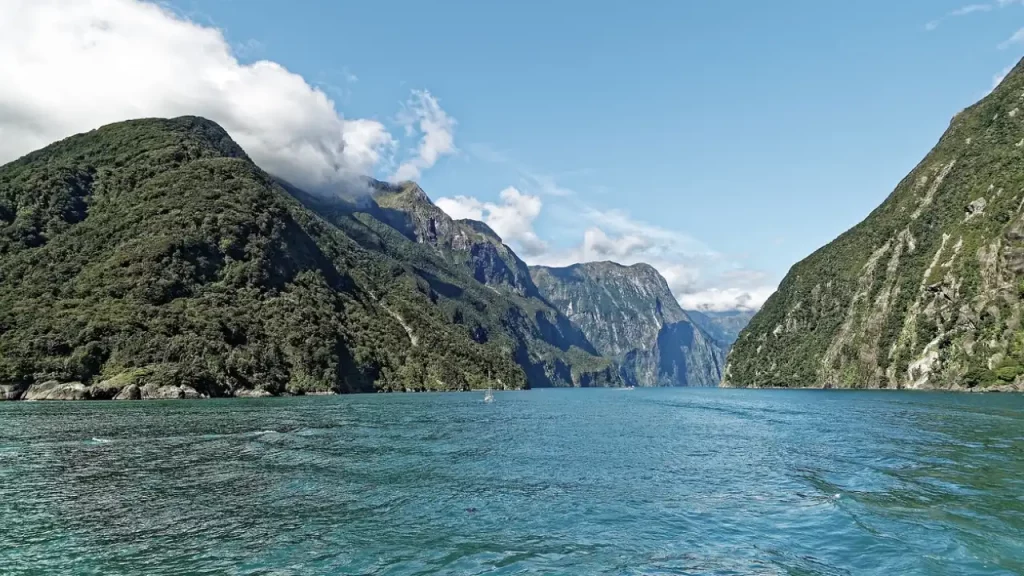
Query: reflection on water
x: 551, y: 481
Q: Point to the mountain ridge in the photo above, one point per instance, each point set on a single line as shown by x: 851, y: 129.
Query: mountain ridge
x: 925, y: 292
x: 151, y: 258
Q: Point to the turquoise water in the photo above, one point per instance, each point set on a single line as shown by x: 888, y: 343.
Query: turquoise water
x: 671, y: 481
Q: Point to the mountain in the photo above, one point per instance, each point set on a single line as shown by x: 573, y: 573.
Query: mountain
x: 629, y: 314
x: 724, y: 326
x: 927, y: 291
x: 465, y: 261
x: 152, y: 258
x: 467, y: 243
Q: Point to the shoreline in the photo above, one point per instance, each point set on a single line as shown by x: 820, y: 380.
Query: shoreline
x: 53, y: 391
x: 76, y: 392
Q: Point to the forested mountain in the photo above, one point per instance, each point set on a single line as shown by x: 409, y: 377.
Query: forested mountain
x: 152, y: 258
x: 927, y: 291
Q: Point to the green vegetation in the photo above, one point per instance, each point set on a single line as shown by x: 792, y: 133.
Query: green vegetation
x: 157, y: 243
x: 155, y: 252
x: 927, y: 290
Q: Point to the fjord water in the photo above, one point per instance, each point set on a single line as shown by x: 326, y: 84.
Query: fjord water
x: 665, y: 481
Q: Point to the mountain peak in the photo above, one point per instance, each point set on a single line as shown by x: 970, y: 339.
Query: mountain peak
x: 406, y: 192
x: 178, y: 140
x: 480, y: 228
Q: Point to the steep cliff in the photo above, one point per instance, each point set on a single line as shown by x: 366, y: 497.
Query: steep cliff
x: 469, y: 243
x: 927, y: 291
x: 629, y: 314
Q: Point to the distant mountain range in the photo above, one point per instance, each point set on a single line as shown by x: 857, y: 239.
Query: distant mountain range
x: 154, y: 259
x: 927, y: 291
x: 724, y: 326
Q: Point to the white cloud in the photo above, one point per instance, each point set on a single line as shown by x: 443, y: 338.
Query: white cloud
x: 512, y: 219
x: 1017, y: 38
x: 694, y: 272
x: 364, y: 140
x: 681, y: 279
x: 737, y: 289
x: 69, y: 67
x: 697, y: 275
x: 661, y: 241
x: 598, y: 245
x: 971, y: 9
x: 721, y: 299
x: 424, y: 112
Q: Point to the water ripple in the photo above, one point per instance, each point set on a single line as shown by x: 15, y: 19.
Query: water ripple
x: 724, y: 482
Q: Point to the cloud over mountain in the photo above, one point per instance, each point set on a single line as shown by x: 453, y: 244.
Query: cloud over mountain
x: 68, y: 67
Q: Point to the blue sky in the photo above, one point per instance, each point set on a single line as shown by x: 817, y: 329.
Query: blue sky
x: 723, y: 141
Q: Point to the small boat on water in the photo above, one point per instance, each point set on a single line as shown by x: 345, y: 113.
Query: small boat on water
x: 488, y: 396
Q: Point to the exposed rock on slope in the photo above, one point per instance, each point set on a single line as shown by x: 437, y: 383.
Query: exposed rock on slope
x: 629, y: 314
x: 466, y: 242
x: 927, y: 291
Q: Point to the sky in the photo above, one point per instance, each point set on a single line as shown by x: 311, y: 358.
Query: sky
x: 721, y: 142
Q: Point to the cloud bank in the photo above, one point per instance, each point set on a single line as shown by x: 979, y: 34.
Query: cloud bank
x: 424, y: 112
x: 69, y: 67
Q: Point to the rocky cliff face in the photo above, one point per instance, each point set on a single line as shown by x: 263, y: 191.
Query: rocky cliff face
x: 629, y: 314
x: 467, y: 243
x: 927, y: 291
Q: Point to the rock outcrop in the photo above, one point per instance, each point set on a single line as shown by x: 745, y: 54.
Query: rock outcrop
x: 129, y: 392
x: 467, y: 243
x: 154, y: 391
x: 53, y: 390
